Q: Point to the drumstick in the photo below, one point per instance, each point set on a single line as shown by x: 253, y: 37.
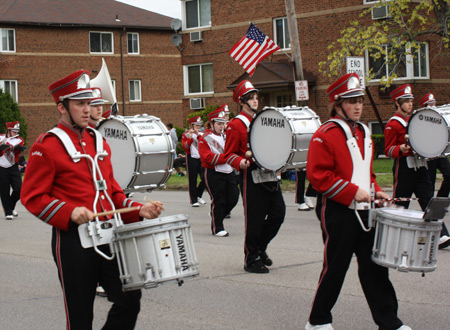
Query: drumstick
x: 124, y: 210
x: 148, y: 200
x: 399, y: 199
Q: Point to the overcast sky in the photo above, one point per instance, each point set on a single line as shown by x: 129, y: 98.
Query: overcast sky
x: 170, y: 8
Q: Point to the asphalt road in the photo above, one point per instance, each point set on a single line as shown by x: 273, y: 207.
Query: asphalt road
x: 223, y: 296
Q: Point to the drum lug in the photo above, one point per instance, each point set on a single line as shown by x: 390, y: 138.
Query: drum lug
x: 403, y: 267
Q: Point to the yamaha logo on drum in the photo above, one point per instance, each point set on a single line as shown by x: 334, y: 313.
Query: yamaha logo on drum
x: 272, y: 122
x: 182, y: 252
x: 431, y: 119
x: 116, y: 133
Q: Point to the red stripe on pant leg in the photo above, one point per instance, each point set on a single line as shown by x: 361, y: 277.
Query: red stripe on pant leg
x: 244, y: 202
x: 212, y: 201
x: 60, y: 271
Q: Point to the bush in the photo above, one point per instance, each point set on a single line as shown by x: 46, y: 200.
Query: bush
x: 378, y: 141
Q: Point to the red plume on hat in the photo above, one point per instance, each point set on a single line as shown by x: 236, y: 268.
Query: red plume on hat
x: 98, y: 99
x: 345, y: 87
x: 13, y: 125
x: 218, y: 114
x: 427, y: 99
x: 402, y: 92
x: 74, y: 86
x: 196, y: 121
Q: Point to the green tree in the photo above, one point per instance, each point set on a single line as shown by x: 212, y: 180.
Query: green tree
x: 392, y: 41
x: 9, y: 111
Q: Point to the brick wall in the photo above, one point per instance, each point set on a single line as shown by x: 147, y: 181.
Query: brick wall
x: 319, y: 24
x: 46, y: 54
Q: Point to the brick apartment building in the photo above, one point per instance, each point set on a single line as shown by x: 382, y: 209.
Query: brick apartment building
x: 211, y: 27
x: 44, y: 40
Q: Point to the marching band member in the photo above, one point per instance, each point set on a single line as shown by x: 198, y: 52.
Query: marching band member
x: 343, y: 178
x: 11, y: 146
x: 264, y: 206
x: 189, y: 142
x: 443, y: 164
x: 219, y: 176
x: 96, y: 105
x: 59, y: 190
x: 409, y: 177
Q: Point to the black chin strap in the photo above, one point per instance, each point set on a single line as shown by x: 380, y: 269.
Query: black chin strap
x: 345, y: 114
x: 70, y: 116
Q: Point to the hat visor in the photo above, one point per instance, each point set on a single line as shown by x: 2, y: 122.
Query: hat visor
x: 352, y: 94
x: 98, y: 102
x: 406, y: 96
x: 78, y: 96
x: 219, y: 120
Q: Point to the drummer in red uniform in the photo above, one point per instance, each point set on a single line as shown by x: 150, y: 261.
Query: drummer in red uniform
x: 219, y: 177
x: 189, y: 141
x: 60, y: 190
x: 342, y: 175
x: 410, y: 176
x: 264, y: 205
x: 443, y: 164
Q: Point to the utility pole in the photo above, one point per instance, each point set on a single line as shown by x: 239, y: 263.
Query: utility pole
x: 295, y: 42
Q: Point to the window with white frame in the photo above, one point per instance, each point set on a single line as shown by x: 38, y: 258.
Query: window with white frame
x: 10, y: 86
x: 8, y: 43
x: 135, y: 90
x: 101, y: 42
x: 197, y: 13
x: 411, y: 64
x: 281, y: 33
x: 198, y: 78
x: 133, y: 43
x: 371, y: 2
x: 375, y: 127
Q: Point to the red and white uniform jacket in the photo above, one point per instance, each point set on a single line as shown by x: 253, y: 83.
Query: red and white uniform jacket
x: 236, y: 140
x: 394, y: 136
x: 9, y: 156
x: 54, y: 184
x: 330, y: 168
x: 190, y: 143
x: 211, y: 148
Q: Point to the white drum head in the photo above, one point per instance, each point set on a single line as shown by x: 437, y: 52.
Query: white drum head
x: 270, y: 140
x: 428, y: 133
x: 403, y: 213
x: 123, y: 150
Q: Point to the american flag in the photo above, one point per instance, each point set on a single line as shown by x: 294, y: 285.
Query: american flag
x: 254, y: 47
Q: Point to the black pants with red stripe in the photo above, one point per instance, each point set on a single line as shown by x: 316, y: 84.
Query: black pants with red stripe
x: 408, y: 181
x: 224, y: 194
x: 343, y: 237
x: 194, y: 168
x: 10, y: 178
x: 264, y: 209
x: 80, y: 270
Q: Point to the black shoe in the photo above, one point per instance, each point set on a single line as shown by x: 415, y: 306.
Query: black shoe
x: 265, y: 259
x: 256, y: 267
x: 444, y: 242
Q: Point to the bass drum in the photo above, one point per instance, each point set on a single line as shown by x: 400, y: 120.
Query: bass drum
x: 279, y: 137
x: 142, y: 151
x: 428, y: 131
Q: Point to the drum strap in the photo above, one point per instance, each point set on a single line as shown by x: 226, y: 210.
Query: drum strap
x: 400, y: 120
x: 68, y: 144
x: 244, y: 120
x: 361, y: 166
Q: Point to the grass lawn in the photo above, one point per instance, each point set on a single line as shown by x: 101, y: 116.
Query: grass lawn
x: 382, y: 167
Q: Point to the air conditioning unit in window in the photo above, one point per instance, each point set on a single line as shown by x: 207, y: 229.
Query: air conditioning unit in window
x: 198, y: 103
x: 196, y: 36
x: 380, y: 12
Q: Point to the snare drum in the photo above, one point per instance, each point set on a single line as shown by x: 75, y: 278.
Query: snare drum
x: 428, y: 131
x: 403, y: 240
x: 154, y: 251
x: 142, y: 151
x: 279, y: 137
